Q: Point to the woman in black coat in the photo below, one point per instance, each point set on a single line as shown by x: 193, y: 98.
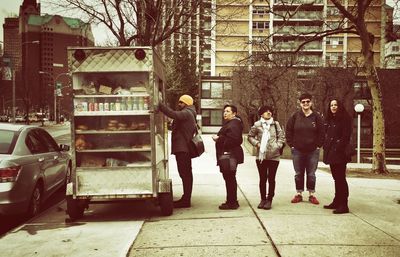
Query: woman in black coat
x: 338, y: 126
x: 229, y: 139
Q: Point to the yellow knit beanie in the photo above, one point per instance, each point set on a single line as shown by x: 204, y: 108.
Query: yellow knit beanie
x: 187, y: 99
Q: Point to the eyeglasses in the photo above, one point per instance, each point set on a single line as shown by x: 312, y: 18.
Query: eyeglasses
x: 305, y: 102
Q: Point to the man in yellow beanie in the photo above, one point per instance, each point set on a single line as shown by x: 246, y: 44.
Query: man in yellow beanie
x: 183, y: 129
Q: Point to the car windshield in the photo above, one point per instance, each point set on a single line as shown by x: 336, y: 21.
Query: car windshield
x: 7, y: 141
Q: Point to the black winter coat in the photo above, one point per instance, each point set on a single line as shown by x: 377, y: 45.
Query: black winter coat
x: 230, y: 139
x: 337, y: 136
x: 183, y: 127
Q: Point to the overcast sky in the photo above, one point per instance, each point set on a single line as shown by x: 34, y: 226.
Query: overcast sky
x: 9, y: 8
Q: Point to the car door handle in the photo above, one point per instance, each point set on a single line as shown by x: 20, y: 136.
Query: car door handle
x: 55, y: 157
x: 41, y: 159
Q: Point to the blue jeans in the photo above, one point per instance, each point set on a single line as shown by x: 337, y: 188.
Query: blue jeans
x: 305, y: 162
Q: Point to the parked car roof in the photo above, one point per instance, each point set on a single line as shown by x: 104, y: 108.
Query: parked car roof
x: 13, y: 127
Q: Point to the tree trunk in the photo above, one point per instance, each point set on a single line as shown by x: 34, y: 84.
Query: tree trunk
x: 378, y: 121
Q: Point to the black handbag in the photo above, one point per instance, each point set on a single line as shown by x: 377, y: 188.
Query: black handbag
x: 196, y: 145
x: 227, y: 162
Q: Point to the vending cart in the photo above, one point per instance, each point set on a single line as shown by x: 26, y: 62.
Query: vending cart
x: 119, y: 143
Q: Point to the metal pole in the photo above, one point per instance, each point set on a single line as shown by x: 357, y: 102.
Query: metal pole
x: 13, y: 96
x: 358, y: 136
x: 55, y: 103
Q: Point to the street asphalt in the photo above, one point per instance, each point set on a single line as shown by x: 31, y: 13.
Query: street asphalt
x: 303, y: 229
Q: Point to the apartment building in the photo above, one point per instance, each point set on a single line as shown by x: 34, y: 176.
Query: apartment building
x: 195, y: 35
x: 243, y: 29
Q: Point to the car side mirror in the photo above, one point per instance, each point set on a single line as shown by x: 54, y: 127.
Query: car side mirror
x: 64, y: 148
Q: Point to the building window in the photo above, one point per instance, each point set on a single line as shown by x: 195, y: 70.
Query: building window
x: 332, y: 11
x: 395, y: 48
x: 260, y: 10
x: 334, y: 57
x: 215, y: 90
x: 334, y: 41
x: 211, y: 117
x: 260, y: 24
x: 206, y: 90
x: 361, y: 90
x: 333, y: 25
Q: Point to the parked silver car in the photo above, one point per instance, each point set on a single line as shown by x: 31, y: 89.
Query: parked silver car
x: 32, y: 167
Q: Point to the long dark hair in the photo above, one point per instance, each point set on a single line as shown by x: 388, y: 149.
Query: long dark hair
x: 340, y: 113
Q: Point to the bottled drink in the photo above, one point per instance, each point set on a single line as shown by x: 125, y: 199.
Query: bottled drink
x: 117, y: 105
x: 129, y: 106
x: 141, y: 103
x: 91, y: 106
x: 135, y: 103
x: 106, y: 105
x: 101, y: 107
x: 123, y: 104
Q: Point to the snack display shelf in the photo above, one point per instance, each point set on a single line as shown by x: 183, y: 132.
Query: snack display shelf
x: 114, y: 150
x: 88, y: 132
x: 136, y: 94
x: 111, y: 113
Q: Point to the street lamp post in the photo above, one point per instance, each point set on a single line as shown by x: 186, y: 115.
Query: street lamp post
x: 359, y: 108
x: 55, y: 90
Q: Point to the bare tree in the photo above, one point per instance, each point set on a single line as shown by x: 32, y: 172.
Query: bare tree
x: 140, y: 22
x: 351, y: 19
x: 265, y: 84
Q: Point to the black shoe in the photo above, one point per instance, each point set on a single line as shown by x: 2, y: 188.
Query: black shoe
x: 229, y: 206
x: 341, y: 210
x: 182, y: 204
x: 332, y: 206
x: 261, y: 204
x: 267, y: 205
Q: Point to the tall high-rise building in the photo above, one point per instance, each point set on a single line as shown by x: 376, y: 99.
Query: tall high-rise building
x: 37, y: 45
x: 243, y: 29
x: 195, y: 35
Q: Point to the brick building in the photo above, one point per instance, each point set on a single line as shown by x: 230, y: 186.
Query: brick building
x: 37, y: 45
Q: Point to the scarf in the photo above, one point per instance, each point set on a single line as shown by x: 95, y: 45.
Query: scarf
x: 265, y: 137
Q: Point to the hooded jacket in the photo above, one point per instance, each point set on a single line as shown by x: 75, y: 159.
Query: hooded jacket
x: 183, y: 127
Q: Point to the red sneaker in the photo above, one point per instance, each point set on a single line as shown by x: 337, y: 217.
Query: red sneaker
x: 297, y: 199
x: 312, y: 199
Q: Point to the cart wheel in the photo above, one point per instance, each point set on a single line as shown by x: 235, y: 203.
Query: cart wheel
x: 75, y: 208
x: 166, y: 203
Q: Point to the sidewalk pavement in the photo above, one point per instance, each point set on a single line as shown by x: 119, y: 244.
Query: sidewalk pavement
x: 370, y: 229
x: 289, y: 230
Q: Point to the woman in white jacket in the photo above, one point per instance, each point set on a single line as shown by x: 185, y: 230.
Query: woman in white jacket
x: 269, y: 137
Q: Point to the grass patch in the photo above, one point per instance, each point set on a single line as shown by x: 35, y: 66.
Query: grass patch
x: 366, y: 173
